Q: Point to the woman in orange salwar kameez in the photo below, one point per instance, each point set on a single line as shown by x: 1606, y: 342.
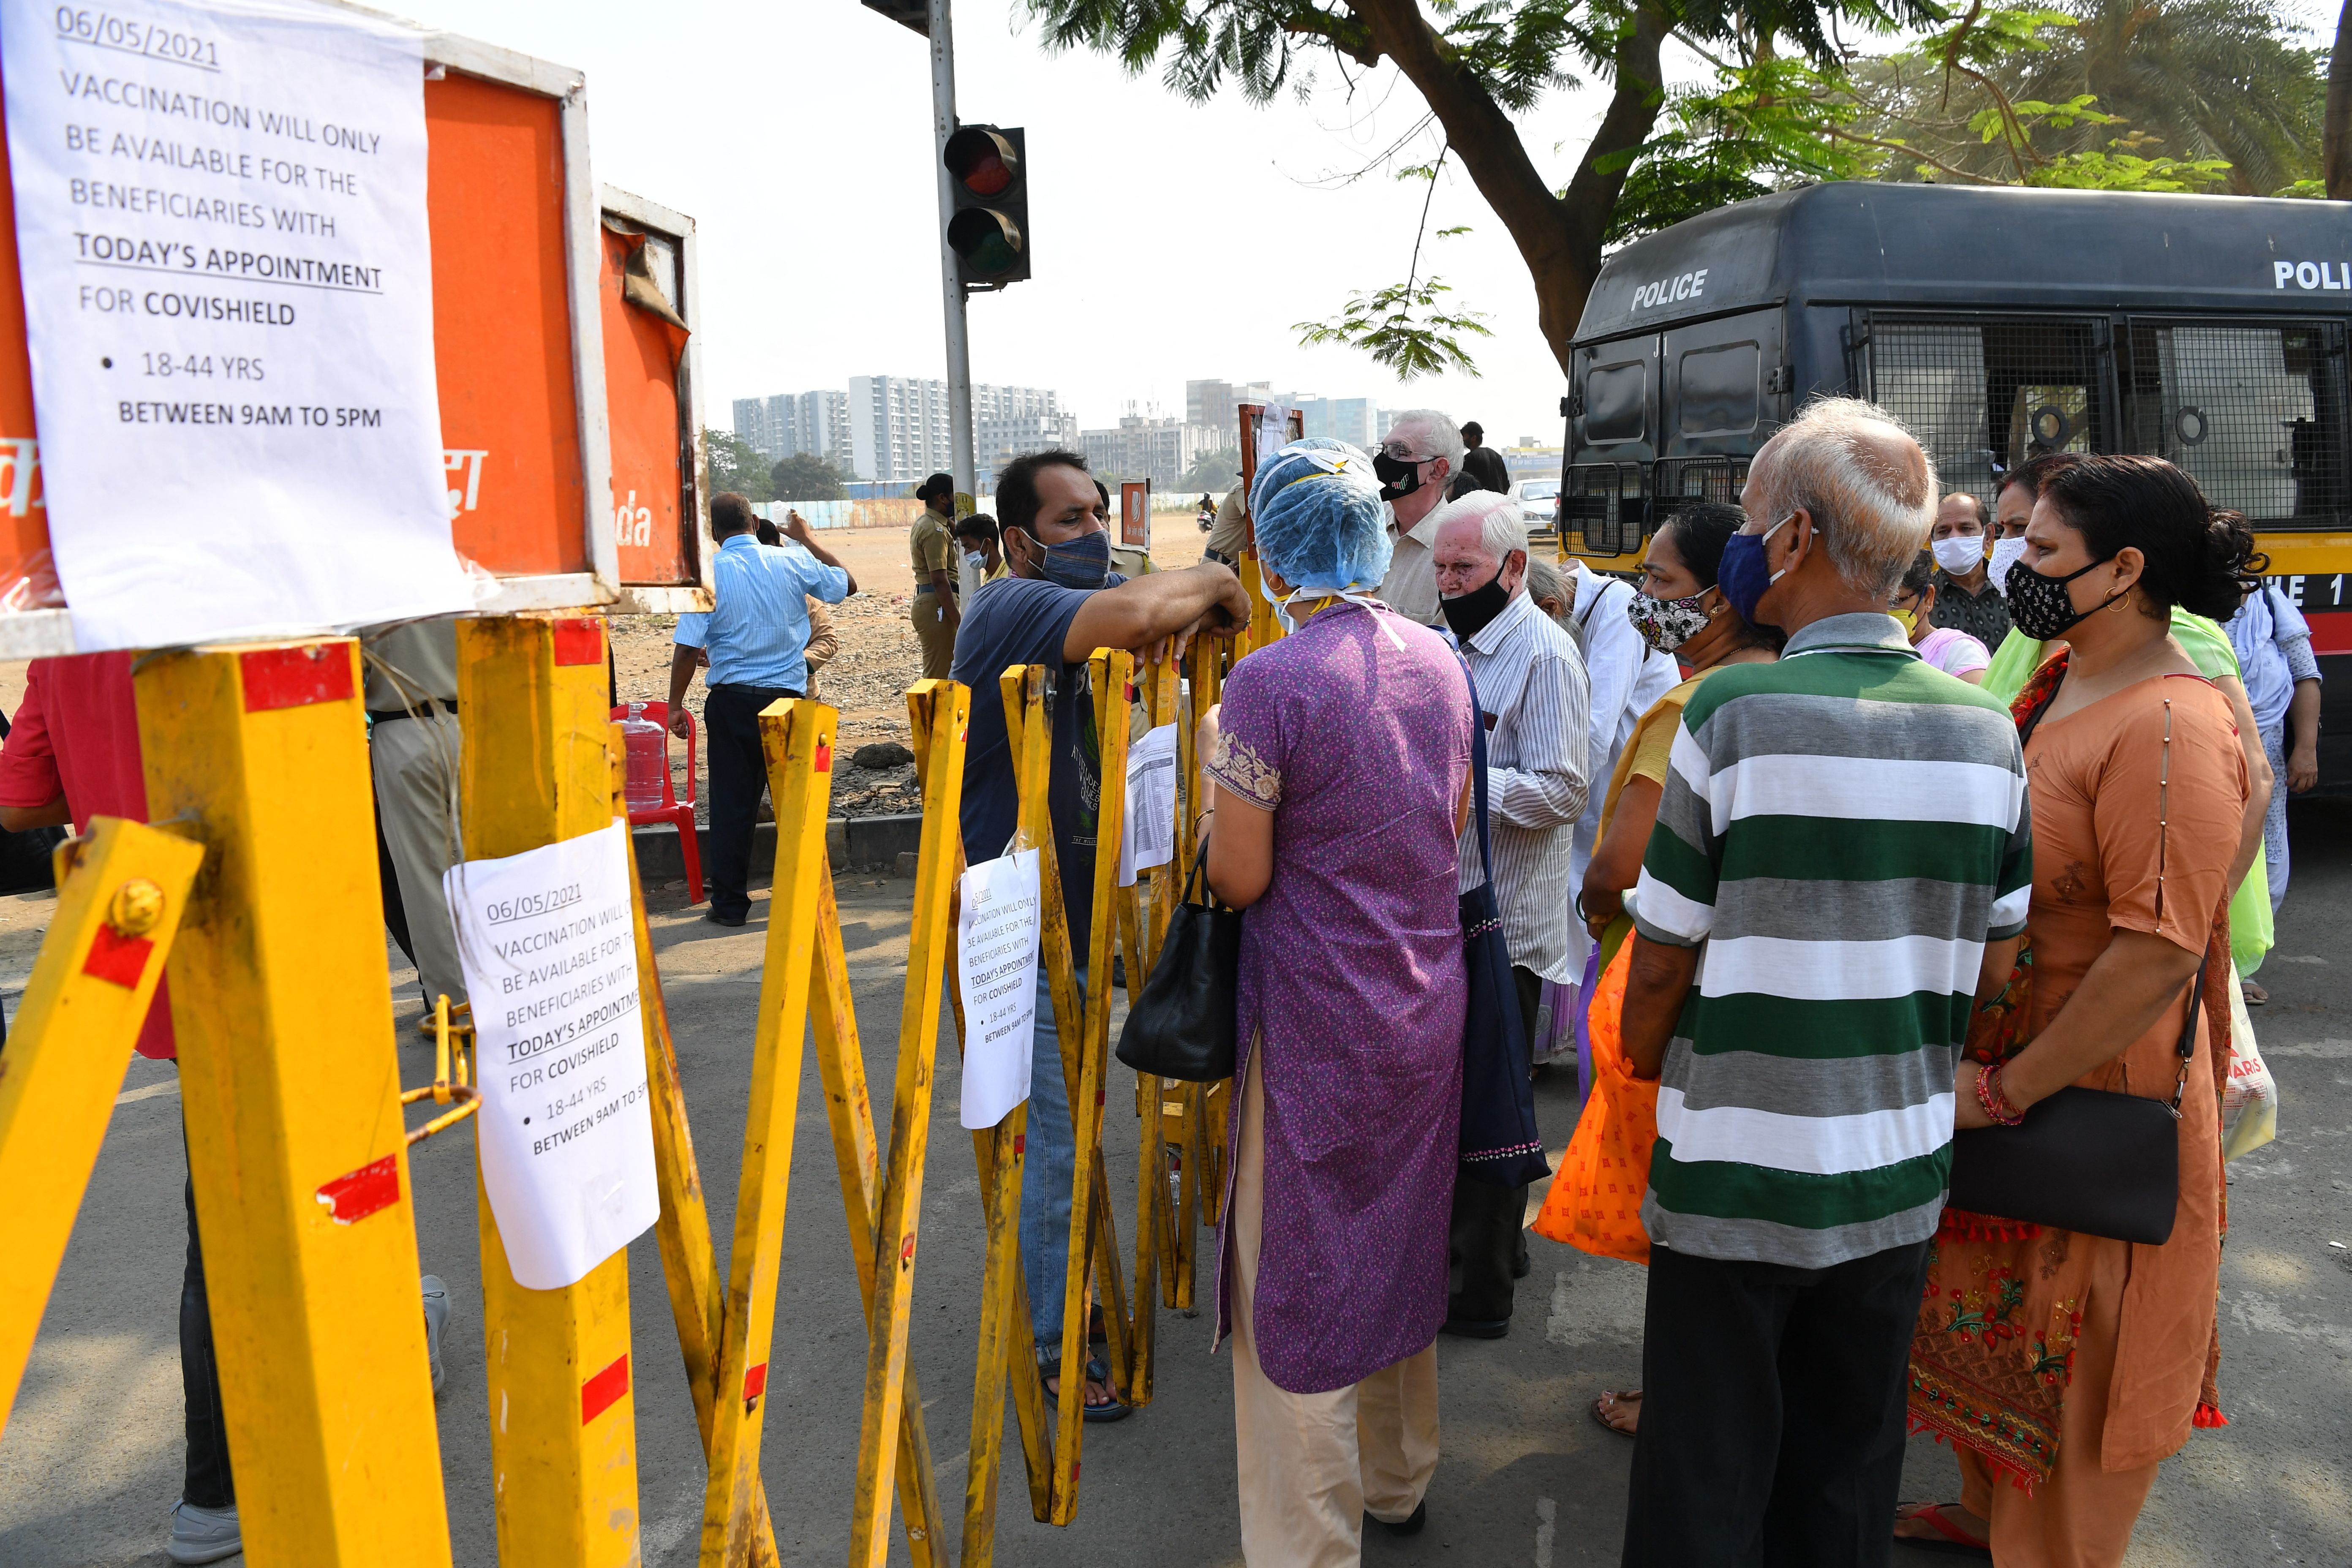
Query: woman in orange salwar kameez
x: 2064, y: 1365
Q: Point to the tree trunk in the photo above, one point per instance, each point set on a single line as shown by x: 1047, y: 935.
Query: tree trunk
x: 1559, y: 234
x: 2335, y: 139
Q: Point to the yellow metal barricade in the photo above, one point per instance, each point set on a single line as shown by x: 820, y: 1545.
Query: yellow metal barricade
x: 538, y: 767
x: 797, y: 739
x: 291, y: 1093
x: 121, y: 892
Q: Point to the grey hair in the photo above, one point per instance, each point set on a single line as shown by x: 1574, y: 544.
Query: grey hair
x: 1545, y: 581
x: 1440, y: 435
x: 1874, y: 515
x: 1502, y: 526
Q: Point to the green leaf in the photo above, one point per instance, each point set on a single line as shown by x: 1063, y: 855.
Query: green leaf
x: 1403, y: 328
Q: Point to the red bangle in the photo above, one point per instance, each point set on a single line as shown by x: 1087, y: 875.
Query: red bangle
x: 1994, y: 1102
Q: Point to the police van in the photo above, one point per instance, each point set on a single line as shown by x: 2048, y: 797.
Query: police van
x: 1996, y: 323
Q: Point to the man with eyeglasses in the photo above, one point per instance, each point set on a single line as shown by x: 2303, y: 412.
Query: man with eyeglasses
x: 1421, y: 453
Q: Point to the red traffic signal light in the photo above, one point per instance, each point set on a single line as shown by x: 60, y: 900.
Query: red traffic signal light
x: 988, y: 231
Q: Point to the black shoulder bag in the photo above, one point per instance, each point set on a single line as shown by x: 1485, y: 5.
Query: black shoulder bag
x: 2085, y: 1159
x: 1500, y: 1145
x: 1182, y: 1025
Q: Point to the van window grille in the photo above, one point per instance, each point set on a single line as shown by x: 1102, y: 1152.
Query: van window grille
x: 1609, y: 503
x: 1683, y: 480
x: 2256, y: 412
x: 1985, y: 394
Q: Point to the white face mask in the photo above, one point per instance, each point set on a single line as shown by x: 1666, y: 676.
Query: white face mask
x: 1961, y: 553
x: 2005, y: 554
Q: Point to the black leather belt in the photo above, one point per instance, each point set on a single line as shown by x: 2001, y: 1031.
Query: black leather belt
x: 432, y: 705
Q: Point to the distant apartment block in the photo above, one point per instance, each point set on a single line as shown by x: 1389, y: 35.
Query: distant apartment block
x: 790, y: 422
x: 1161, y: 450
x: 1214, y: 405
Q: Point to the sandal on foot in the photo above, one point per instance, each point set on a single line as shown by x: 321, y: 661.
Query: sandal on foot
x: 1955, y: 1539
x: 1600, y: 1409
x: 1097, y: 1370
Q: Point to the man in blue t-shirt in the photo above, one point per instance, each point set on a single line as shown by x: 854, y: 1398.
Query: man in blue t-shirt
x: 1060, y: 604
x: 756, y: 636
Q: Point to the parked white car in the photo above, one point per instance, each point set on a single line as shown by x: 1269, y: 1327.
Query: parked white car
x: 1539, y: 501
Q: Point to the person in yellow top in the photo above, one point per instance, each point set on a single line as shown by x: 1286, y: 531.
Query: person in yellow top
x: 1679, y: 611
x: 932, y: 549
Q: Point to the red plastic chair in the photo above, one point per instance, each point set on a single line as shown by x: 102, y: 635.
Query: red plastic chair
x: 672, y: 810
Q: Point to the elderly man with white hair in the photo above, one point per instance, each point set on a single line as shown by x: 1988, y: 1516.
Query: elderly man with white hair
x: 1844, y: 835
x: 1532, y: 695
x: 1418, y: 459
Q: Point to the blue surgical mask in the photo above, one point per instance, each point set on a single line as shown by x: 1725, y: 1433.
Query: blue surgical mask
x: 1083, y: 562
x: 1743, y: 577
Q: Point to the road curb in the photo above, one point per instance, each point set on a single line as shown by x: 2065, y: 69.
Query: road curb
x: 851, y: 842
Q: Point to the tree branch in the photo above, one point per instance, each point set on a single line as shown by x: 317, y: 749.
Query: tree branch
x: 2336, y: 134
x: 1558, y: 235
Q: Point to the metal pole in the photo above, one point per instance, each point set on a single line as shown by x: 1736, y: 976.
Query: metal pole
x: 943, y: 125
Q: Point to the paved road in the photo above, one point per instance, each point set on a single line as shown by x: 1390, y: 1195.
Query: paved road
x: 90, y: 1460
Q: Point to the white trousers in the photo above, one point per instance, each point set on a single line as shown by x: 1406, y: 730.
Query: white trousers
x: 1312, y: 1464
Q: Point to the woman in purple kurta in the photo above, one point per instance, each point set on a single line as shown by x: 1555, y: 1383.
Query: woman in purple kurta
x: 1351, y: 736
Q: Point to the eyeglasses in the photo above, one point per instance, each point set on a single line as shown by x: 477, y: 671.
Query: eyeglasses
x: 1402, y: 453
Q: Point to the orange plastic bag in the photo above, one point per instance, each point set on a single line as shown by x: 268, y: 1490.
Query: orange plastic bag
x: 1595, y: 1202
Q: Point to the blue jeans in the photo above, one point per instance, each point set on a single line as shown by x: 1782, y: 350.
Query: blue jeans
x: 1050, y: 1170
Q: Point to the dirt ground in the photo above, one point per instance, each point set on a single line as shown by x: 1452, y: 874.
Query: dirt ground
x: 867, y: 680
x: 868, y: 677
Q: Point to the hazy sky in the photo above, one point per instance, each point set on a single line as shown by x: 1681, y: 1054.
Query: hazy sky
x: 1171, y: 242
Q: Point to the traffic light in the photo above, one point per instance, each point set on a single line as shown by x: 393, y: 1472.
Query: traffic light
x: 990, y: 230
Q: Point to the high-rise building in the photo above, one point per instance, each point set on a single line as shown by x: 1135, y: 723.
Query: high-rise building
x: 790, y: 422
x: 898, y: 427
x: 1161, y: 450
x: 1009, y: 422
x: 1214, y: 404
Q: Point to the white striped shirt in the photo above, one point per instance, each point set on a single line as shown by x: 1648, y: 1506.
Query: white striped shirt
x: 1534, y: 696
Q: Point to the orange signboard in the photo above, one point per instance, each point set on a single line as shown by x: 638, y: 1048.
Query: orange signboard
x: 516, y: 339
x: 648, y: 293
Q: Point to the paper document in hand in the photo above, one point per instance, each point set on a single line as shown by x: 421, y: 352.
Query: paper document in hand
x: 996, y: 967
x: 567, y: 1135
x: 1151, y: 837
x: 227, y: 279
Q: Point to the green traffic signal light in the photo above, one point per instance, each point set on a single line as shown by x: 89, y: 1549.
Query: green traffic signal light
x: 987, y: 229
x: 988, y: 242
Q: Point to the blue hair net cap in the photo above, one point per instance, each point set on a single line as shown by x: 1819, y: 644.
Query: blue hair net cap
x: 1316, y: 508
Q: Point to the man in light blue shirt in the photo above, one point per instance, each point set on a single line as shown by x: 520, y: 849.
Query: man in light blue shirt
x: 756, y: 637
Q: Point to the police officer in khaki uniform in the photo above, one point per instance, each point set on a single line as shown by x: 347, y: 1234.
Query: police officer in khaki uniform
x: 932, y: 549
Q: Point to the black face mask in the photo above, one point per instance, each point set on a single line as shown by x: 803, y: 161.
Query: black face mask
x: 1469, y: 613
x: 2041, y: 607
x: 1398, y: 476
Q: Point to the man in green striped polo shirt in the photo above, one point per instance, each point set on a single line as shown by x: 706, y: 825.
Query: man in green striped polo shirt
x: 1841, y: 865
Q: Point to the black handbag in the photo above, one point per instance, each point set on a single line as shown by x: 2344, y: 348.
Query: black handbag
x: 2088, y: 1160
x: 1182, y: 1025
x: 1500, y: 1145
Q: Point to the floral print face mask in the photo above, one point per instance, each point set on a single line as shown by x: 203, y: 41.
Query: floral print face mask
x: 1667, y: 624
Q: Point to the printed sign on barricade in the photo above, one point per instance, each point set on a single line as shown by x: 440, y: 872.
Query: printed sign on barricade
x: 567, y: 1138
x: 246, y: 347
x: 513, y: 471
x: 996, y: 970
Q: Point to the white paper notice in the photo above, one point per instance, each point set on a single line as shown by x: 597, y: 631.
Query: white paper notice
x: 567, y: 1133
x: 1151, y: 837
x: 1272, y: 432
x: 228, y: 303
x: 996, y: 949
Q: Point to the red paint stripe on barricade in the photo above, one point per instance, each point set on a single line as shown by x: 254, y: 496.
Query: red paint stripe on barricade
x: 116, y: 959
x: 755, y: 1384
x: 602, y: 1392
x: 278, y: 677
x: 825, y: 756
x: 370, y: 1189
x: 580, y: 642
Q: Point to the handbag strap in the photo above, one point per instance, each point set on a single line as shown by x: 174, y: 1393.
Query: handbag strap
x: 1478, y: 769
x: 2188, y: 1047
x: 1193, y: 880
